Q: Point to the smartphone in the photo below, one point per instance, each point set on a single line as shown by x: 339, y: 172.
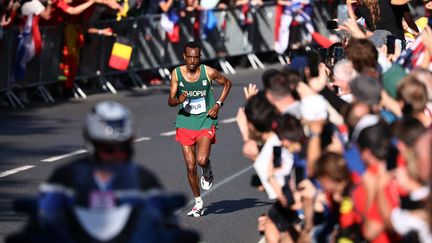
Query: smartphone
x: 390, y: 44
x: 332, y: 25
x: 313, y: 63
x: 323, y: 54
x: 286, y: 190
x: 338, y: 54
x: 300, y: 174
x: 255, y: 181
x: 391, y: 162
x: 342, y: 13
x: 277, y: 156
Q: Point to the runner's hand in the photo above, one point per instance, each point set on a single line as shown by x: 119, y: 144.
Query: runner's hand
x: 213, y: 112
x: 182, y: 97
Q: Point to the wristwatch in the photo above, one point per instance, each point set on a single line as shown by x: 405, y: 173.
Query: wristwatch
x: 220, y: 103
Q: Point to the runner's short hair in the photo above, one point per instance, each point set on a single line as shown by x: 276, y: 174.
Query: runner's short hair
x: 191, y: 44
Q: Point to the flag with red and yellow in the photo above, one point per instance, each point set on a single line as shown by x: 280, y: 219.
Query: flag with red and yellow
x: 120, y: 56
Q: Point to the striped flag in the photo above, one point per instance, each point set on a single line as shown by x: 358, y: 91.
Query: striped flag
x: 120, y: 56
x: 413, y: 56
x: 208, y: 22
x: 29, y: 45
x: 282, y: 25
x: 170, y: 23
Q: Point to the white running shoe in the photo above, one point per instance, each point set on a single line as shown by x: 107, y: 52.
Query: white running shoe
x: 207, y: 178
x: 196, y: 211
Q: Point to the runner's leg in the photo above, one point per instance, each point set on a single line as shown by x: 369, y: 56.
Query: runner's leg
x: 189, y: 156
x: 203, y: 153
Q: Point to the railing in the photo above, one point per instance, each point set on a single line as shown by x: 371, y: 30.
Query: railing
x: 151, y: 50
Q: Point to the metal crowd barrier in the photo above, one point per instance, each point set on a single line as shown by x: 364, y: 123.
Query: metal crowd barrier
x: 7, y: 45
x: 151, y: 50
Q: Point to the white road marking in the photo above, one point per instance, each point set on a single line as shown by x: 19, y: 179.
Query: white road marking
x: 170, y: 133
x: 16, y: 170
x: 229, y: 120
x: 59, y: 157
x: 141, y: 139
x: 214, y: 187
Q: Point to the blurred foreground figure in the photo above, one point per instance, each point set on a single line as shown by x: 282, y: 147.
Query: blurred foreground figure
x: 104, y: 197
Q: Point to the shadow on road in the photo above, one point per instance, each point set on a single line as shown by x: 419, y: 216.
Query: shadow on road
x: 229, y: 206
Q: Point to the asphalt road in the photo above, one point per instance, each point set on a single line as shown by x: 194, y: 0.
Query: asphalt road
x: 36, y: 140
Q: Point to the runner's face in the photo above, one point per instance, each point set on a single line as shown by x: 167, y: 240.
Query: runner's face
x: 192, y: 57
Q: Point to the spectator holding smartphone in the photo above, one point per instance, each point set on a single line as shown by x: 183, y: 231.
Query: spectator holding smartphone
x: 385, y: 15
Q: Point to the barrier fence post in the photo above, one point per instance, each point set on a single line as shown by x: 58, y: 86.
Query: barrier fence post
x: 12, y: 99
x: 105, y: 84
x: 40, y: 87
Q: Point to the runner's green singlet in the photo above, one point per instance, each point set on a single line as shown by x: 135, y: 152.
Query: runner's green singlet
x: 193, y: 112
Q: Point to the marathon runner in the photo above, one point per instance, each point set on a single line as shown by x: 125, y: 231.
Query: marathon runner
x: 196, y: 122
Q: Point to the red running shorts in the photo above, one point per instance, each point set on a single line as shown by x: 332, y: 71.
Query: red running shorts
x: 189, y: 137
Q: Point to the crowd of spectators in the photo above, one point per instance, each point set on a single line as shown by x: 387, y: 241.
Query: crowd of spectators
x: 343, y: 145
x: 78, y: 20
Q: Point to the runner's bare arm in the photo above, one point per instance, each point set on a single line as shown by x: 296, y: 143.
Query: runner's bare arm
x: 172, y: 99
x: 213, y: 74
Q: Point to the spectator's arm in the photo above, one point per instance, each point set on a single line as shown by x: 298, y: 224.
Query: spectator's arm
x: 12, y: 7
x: 275, y: 185
x: 426, y: 38
x: 46, y: 13
x: 308, y: 193
x: 351, y: 13
x: 410, y: 22
x: 105, y: 31
x: 314, y: 146
x: 80, y: 8
x: 334, y: 100
x: 165, y: 6
x: 241, y: 2
x: 5, y: 22
x: 352, y: 27
x: 284, y: 2
x: 383, y: 205
x: 242, y: 124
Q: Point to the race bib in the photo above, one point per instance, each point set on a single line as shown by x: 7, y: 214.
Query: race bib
x: 196, y: 106
x: 101, y: 199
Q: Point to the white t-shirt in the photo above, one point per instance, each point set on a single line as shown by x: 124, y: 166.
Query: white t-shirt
x: 33, y: 7
x: 262, y: 165
x: 403, y: 222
